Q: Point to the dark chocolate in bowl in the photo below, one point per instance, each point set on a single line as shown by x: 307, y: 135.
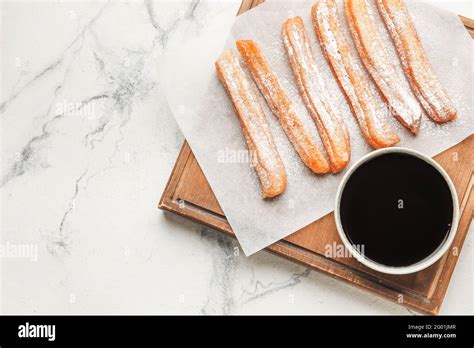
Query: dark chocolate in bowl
x: 396, y: 209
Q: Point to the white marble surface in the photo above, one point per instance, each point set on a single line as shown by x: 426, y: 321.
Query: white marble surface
x: 88, y: 143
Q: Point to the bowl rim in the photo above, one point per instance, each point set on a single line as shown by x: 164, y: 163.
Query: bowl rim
x: 420, y: 265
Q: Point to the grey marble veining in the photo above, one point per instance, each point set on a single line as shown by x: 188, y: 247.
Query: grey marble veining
x: 88, y: 143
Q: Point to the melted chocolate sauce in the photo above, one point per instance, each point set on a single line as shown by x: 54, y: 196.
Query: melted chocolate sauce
x: 398, y: 207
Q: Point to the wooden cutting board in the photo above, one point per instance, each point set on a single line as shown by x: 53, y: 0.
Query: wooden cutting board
x: 188, y: 194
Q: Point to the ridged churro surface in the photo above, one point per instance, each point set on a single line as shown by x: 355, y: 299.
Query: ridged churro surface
x: 263, y: 152
x: 376, y: 58
x: 332, y: 130
x: 417, y: 68
x: 350, y: 75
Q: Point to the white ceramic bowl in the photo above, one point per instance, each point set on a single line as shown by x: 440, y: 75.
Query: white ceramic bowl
x: 429, y: 260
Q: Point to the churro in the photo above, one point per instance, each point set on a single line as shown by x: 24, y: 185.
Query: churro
x: 264, y: 154
x: 332, y: 130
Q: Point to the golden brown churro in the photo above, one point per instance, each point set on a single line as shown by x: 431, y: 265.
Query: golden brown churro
x: 332, y: 129
x: 415, y: 63
x: 350, y: 75
x: 376, y: 58
x: 264, y: 154
x: 282, y: 107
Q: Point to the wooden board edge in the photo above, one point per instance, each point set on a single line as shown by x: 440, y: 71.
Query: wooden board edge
x: 468, y: 23
x: 467, y: 206
x: 166, y: 199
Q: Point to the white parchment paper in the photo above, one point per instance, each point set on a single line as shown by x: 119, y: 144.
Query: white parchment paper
x: 206, y: 117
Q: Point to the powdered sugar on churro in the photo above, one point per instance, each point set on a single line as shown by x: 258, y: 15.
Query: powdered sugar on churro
x: 350, y: 75
x: 332, y: 129
x: 266, y: 159
x: 373, y: 52
x: 416, y: 66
